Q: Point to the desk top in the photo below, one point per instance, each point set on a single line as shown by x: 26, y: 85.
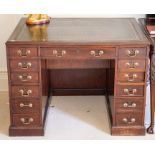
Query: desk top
x: 80, y: 31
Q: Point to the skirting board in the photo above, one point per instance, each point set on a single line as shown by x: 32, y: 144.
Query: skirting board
x: 3, y: 79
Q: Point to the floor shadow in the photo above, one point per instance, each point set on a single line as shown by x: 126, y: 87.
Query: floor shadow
x: 90, y: 109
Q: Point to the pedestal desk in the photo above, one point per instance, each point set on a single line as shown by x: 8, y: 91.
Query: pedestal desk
x: 78, y: 56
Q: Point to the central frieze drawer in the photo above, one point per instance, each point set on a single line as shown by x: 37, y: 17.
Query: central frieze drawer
x: 25, y: 91
x: 78, y: 53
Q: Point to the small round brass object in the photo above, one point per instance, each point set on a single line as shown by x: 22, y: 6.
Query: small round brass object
x: 125, y: 104
x: 97, y: 54
x: 27, y: 121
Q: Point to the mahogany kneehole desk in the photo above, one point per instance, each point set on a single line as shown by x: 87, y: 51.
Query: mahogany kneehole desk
x: 94, y: 56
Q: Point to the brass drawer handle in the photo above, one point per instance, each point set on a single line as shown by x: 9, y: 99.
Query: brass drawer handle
x: 30, y: 105
x: 26, y: 121
x: 133, y: 53
x: 59, y: 54
x: 23, y: 53
x: 130, y: 92
x: 25, y: 93
x: 129, y: 105
x: 97, y: 54
x: 25, y: 77
x: 132, y: 120
x: 131, y: 78
x: 24, y: 65
x: 132, y: 65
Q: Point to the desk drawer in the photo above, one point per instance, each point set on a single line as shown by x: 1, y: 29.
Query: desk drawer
x: 25, y: 106
x: 131, y: 77
x: 24, y: 65
x: 132, y: 53
x: 131, y: 65
x: 129, y: 104
x: 129, y: 119
x: 26, y: 120
x: 127, y: 90
x: 22, y: 52
x: 25, y: 91
x: 25, y: 77
x: 78, y: 53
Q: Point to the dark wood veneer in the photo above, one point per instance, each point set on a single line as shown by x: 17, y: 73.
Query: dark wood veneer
x: 82, y: 56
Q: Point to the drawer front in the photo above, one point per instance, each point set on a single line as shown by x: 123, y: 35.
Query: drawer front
x: 78, y: 53
x: 25, y: 91
x: 131, y: 65
x: 127, y: 90
x: 131, y: 77
x: 129, y: 104
x: 63, y: 53
x: 24, y: 65
x: 22, y: 52
x: 129, y: 119
x: 24, y: 77
x: 132, y: 53
x: 26, y: 120
x: 25, y: 106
